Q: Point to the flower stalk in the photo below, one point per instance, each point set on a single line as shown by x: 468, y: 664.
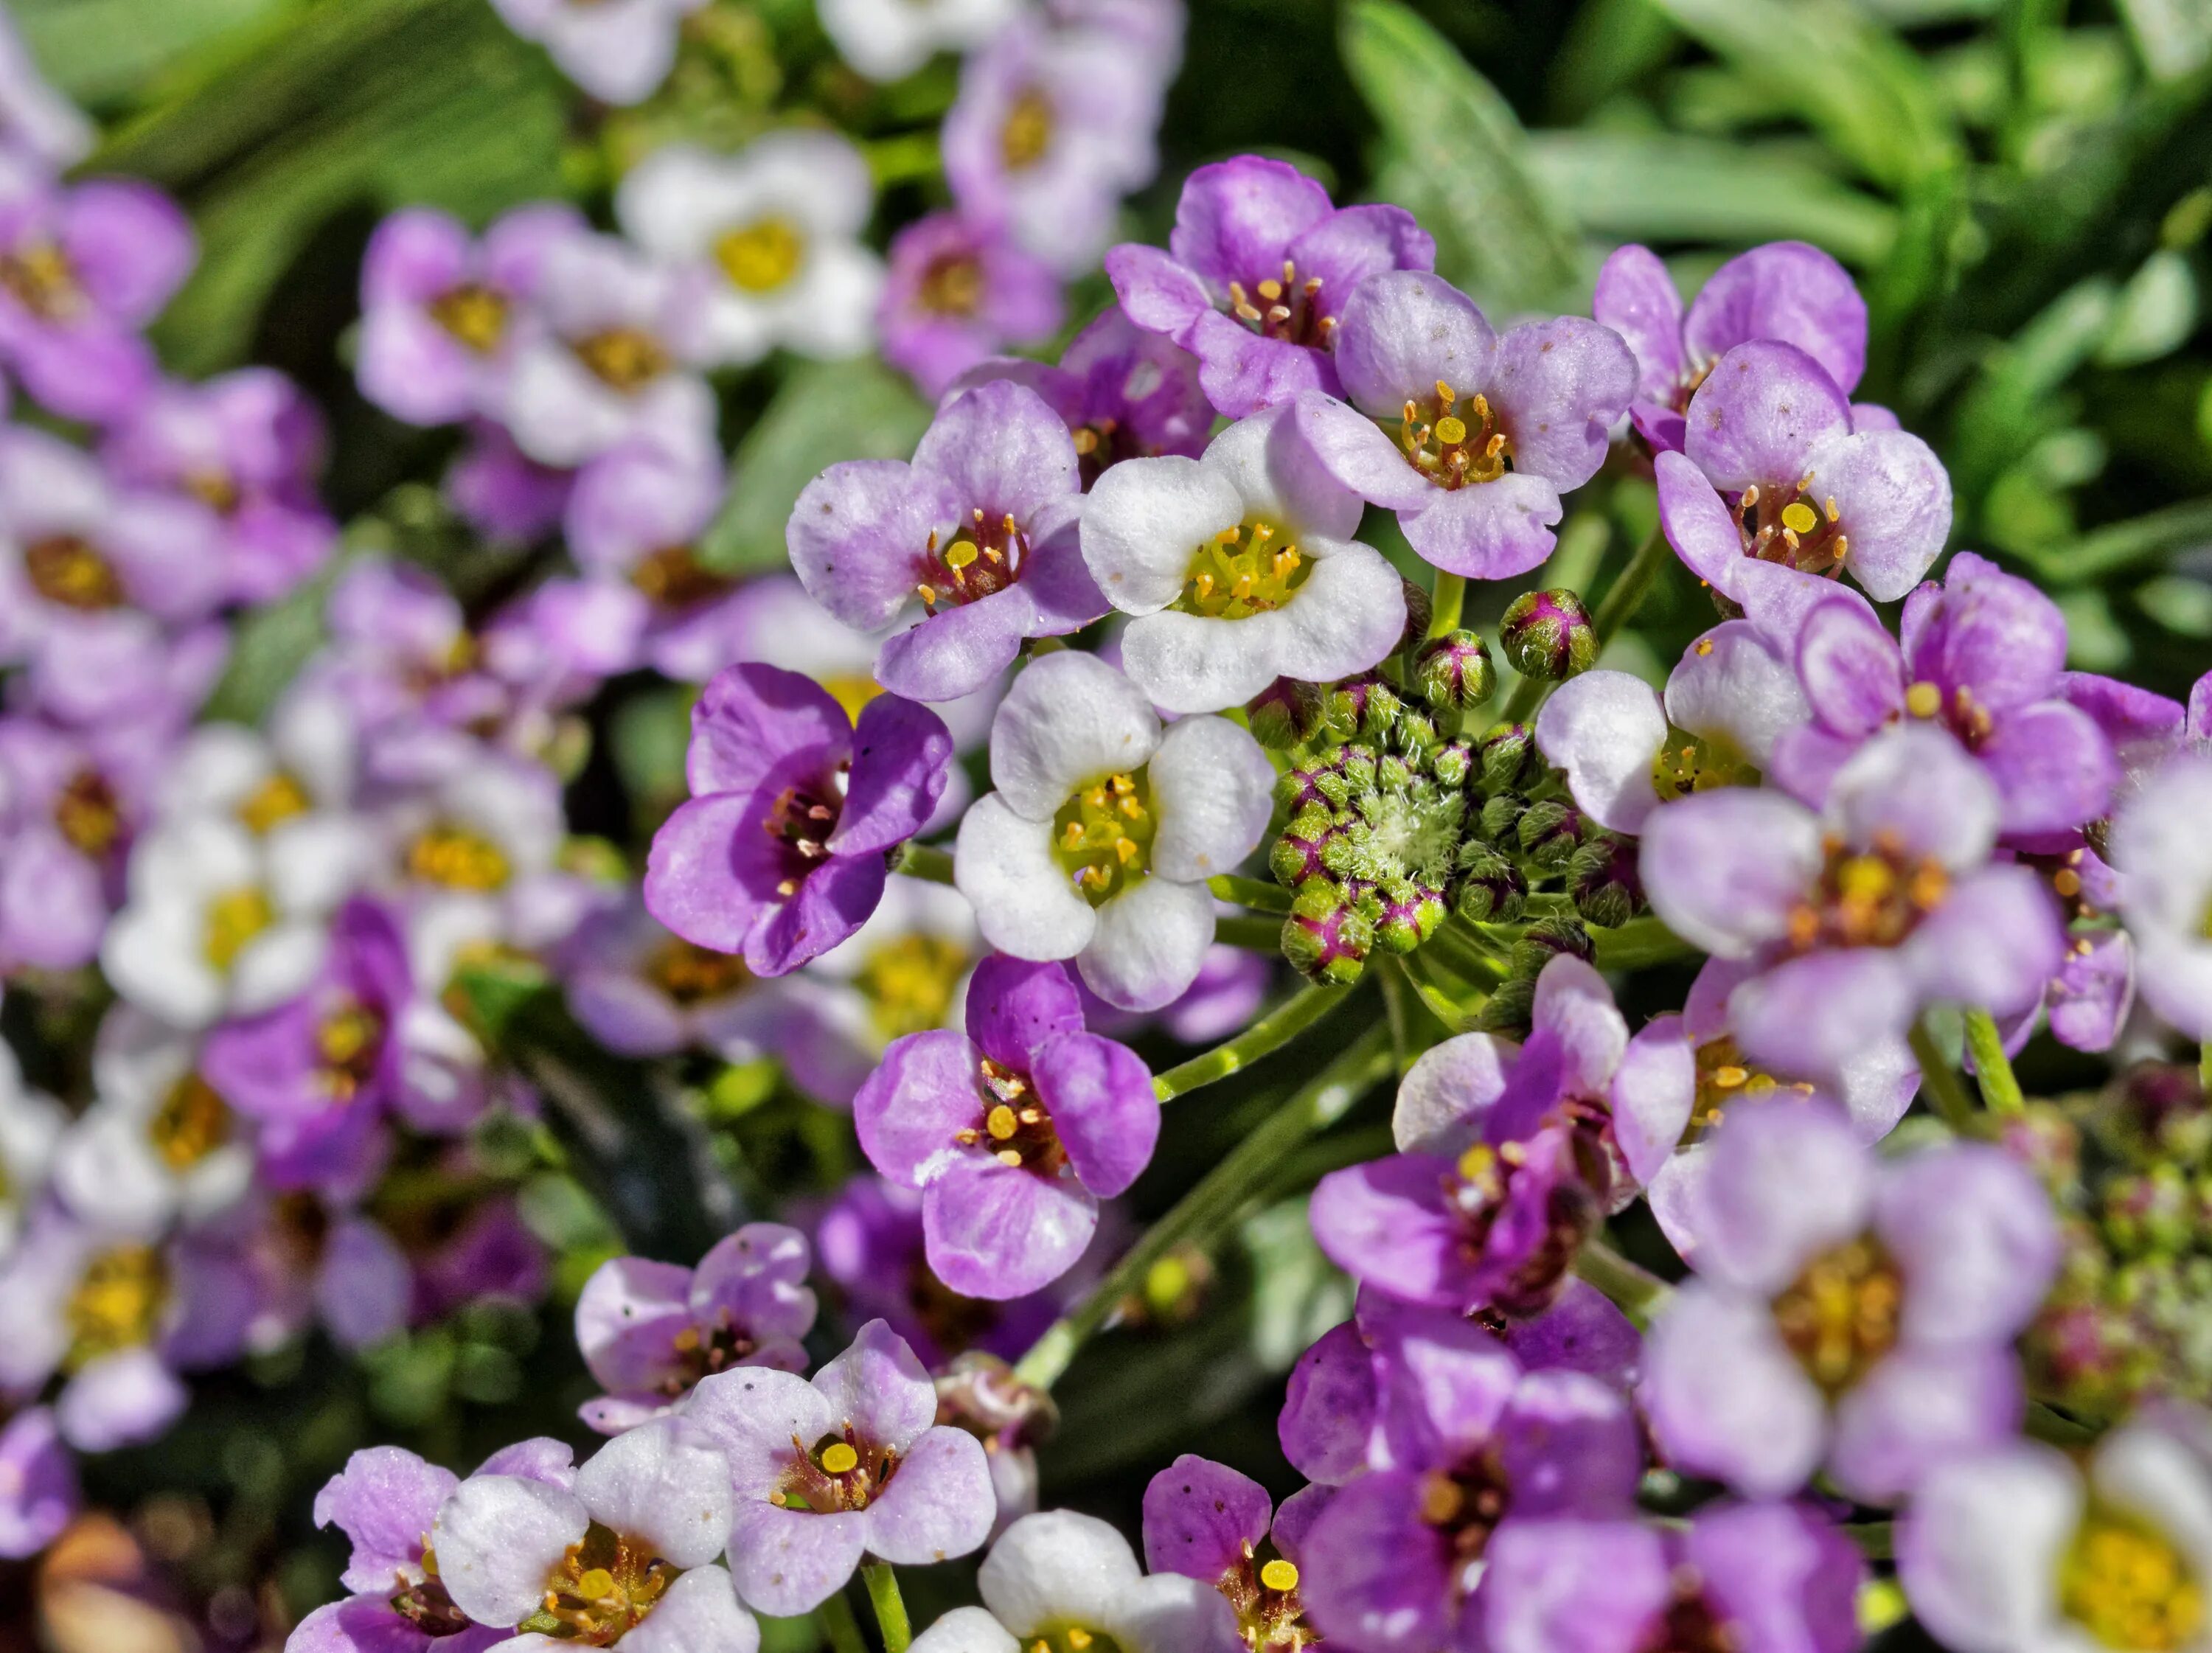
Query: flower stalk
x: 890, y: 1605
x: 1300, y: 1012
x: 2001, y: 1091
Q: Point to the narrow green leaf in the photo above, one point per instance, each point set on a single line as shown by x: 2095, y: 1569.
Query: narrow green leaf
x: 2173, y: 37
x: 99, y: 50
x: 2124, y: 544
x: 2008, y: 410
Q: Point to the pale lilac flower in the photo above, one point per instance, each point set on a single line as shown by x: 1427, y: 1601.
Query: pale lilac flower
x: 781, y: 853
x: 1239, y: 568
x: 1104, y: 827
x: 71, y: 800
x: 1205, y: 1521
x: 2163, y: 853
x: 1057, y: 1572
x: 1772, y: 469
x: 642, y: 991
x: 618, y: 51
x: 1479, y: 435
x: 442, y: 312
x: 36, y: 120
x: 1846, y: 1313
x: 1854, y: 921
x: 889, y: 40
x: 958, y: 291
x: 621, y: 1555
x: 849, y: 1466
x: 39, y: 1491
x: 768, y: 239
x: 981, y: 525
x: 1013, y: 1132
x: 1256, y: 276
x: 502, y: 492
x: 651, y: 1331
x: 317, y: 1259
x: 1786, y: 291
x: 2021, y: 1546
x: 473, y: 854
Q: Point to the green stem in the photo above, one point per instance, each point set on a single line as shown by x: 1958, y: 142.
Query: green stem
x: 1877, y: 1539
x: 1298, y: 1014
x: 2204, y: 1069
x: 1448, y: 603
x: 925, y: 861
x: 2047, y: 1424
x: 1639, y: 942
x: 1258, y: 894
x: 1940, y: 1083
x: 1392, y: 975
x: 1636, y: 1293
x: 1256, y: 932
x: 890, y: 1607
x: 1218, y: 1199
x: 839, y: 1624
x: 2001, y: 1092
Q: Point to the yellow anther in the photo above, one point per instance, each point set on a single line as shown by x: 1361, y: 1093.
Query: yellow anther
x: 1865, y: 878
x: 2067, y: 882
x: 1481, y: 407
x: 1445, y: 394
x: 596, y: 1585
x: 1270, y: 290
x: 1263, y: 531
x: 1731, y: 1078
x: 1000, y: 1123
x: 1451, y: 429
x: 1073, y: 838
x: 1121, y: 784
x: 1923, y: 700
x: 1290, y: 275
x: 1704, y: 647
x: 959, y: 554
x: 1229, y: 536
x: 1800, y: 518
x: 1125, y: 850
x: 1477, y: 1163
x: 1279, y: 1575
x: 838, y: 1457
x: 1010, y: 1157
x: 1243, y: 585
x: 1133, y: 809
x: 1828, y: 505
x: 1205, y: 585
x: 1077, y: 1637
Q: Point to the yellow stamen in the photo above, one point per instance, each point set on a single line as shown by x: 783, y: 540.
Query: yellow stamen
x: 1800, y: 518
x: 1000, y: 1123
x: 1923, y: 700
x: 839, y: 1458
x: 1279, y: 1575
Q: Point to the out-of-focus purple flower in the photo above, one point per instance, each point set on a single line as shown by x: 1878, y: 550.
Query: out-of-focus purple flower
x: 39, y: 1491
x: 619, y: 53
x: 982, y: 526
x: 852, y: 1464
x: 1256, y: 276
x: 889, y: 40
x: 650, y: 1331
x: 959, y: 291
x: 1479, y: 435
x: 504, y: 493
x: 1772, y: 470
x: 70, y: 802
x: 1845, y: 1313
x: 1098, y: 844
x: 441, y: 312
x: 492, y: 1255
x: 1013, y: 1133
x: 1205, y: 1521
x: 1786, y: 291
x: 768, y: 239
x: 36, y: 121
x: 1124, y: 394
x: 1240, y: 567
x: 642, y: 991
x: 2164, y: 857
x: 781, y: 853
x: 86, y: 266
x: 1855, y: 920
x: 1053, y: 126
x: 1231, y: 985
x: 320, y: 1259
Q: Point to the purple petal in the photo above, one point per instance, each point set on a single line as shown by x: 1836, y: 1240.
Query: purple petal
x: 1236, y: 218
x: 959, y: 651
x: 1202, y: 1518
x: 1569, y: 1445
x: 1328, y: 1412
x: 1003, y: 450
x: 1354, y: 244
x: 1726, y: 1399
x: 1378, y: 1578
x: 1398, y: 334
x: 1973, y: 1233
x: 130, y: 244
x: 940, y: 1504
x: 1851, y: 669
x: 383, y: 1500
x: 1295, y: 1520
x: 367, y: 1624
x: 1015, y: 1008
x: 753, y: 717
x: 2090, y: 997
x: 1761, y: 411
x: 834, y: 900
x: 1781, y: 1574
x: 878, y: 1388
x: 1784, y: 290
x: 626, y: 1317
x: 997, y: 1231
x: 1156, y: 292
x: 924, y: 1091
x: 1915, y: 790
x: 1636, y: 298
x: 1698, y: 525
x: 1725, y: 869
x: 1353, y: 449
x: 1386, y: 1221
x: 2053, y: 767
x: 1817, y: 1014
x: 1917, y: 1408
x: 858, y: 533
x: 787, y: 1562
x: 1573, y: 1586
x: 1244, y: 373
x: 692, y: 881
x: 1992, y: 633
x: 1099, y: 1096
x: 1652, y: 1095
x: 900, y: 752
x: 1559, y: 388
x: 1788, y: 1181
x: 1892, y: 500
x: 1487, y: 530
x: 1581, y: 1332
x: 1604, y: 729
x: 1993, y: 943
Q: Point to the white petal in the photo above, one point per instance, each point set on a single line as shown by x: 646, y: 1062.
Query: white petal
x: 1168, y: 1612
x: 664, y: 1485
x: 1731, y: 683
x: 699, y: 1613
x: 1149, y: 942
x: 1057, y: 1568
x: 496, y: 1538
x: 1069, y: 721
x: 1272, y: 469
x: 1443, y: 1096
x: 1143, y: 523
x: 1025, y: 902
x: 1347, y: 616
x: 2141, y: 1468
x: 1189, y: 662
x: 1980, y: 1552
x: 966, y: 1629
x: 1604, y: 728
x: 1213, y: 792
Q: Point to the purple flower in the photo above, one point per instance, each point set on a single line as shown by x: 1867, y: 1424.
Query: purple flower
x: 385, y: 1501
x: 1013, y: 1133
x: 1257, y: 273
x: 641, y: 991
x: 1772, y: 470
x: 958, y: 291
x: 502, y: 492
x: 650, y: 1331
x: 1845, y: 1313
x: 1785, y: 291
x: 618, y: 52
x: 1479, y: 435
x: 86, y: 267
x: 1751, y: 1577
x: 1124, y: 394
x: 851, y: 1465
x: 1982, y: 656
x: 70, y: 802
x: 1851, y: 921
x: 315, y: 1258
x: 621, y: 1553
x: 2164, y: 856
x: 441, y: 312
x: 39, y: 1491
x: 981, y: 525
x: 1098, y: 844
x: 1206, y: 1521
x: 781, y: 853
x: 1053, y: 126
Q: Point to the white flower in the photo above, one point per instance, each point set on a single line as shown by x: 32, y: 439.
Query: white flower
x: 889, y: 40
x: 2164, y: 856
x: 1240, y: 568
x: 1059, y: 1572
x: 292, y: 785
x: 1098, y: 844
x: 618, y: 51
x: 770, y: 238
x: 33, y: 116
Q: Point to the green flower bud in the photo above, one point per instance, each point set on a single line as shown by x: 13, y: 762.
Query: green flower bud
x: 1548, y: 634
x: 1454, y: 673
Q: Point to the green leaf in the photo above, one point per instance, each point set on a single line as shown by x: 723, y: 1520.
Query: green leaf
x: 99, y: 50
x: 1459, y: 158
x: 268, y: 646
x: 1652, y: 186
x: 2009, y: 409
x: 2173, y: 37
x: 825, y: 411
x: 2156, y: 313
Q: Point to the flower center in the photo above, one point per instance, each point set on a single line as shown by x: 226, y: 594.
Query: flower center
x: 838, y: 1473
x: 982, y: 558
x: 673, y: 577
x: 1289, y: 309
x: 952, y: 286
x: 1839, y: 1316
x: 1464, y: 1504
x: 601, y: 1590
x: 1232, y: 576
x: 118, y: 1301
x: 626, y: 359
x: 66, y: 570
x: 2127, y: 1584
x: 1266, y: 1597
x: 1027, y: 134
x: 1457, y: 445
x: 1794, y: 526
x: 1102, y: 835
x: 762, y: 255
x: 803, y: 818
x: 458, y: 859
x: 1478, y: 1191
x: 349, y: 1043
x: 908, y: 982
x: 1687, y: 764
x: 216, y: 489
x: 1723, y: 1079
x: 427, y: 1607
x: 474, y: 314
x: 190, y: 1123
x: 1071, y: 1638
x: 276, y: 800
x: 1015, y: 1127
x: 41, y: 279
x: 692, y: 974
x: 233, y: 919
x: 86, y: 813
x: 1871, y: 898
x: 1690, y: 1624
